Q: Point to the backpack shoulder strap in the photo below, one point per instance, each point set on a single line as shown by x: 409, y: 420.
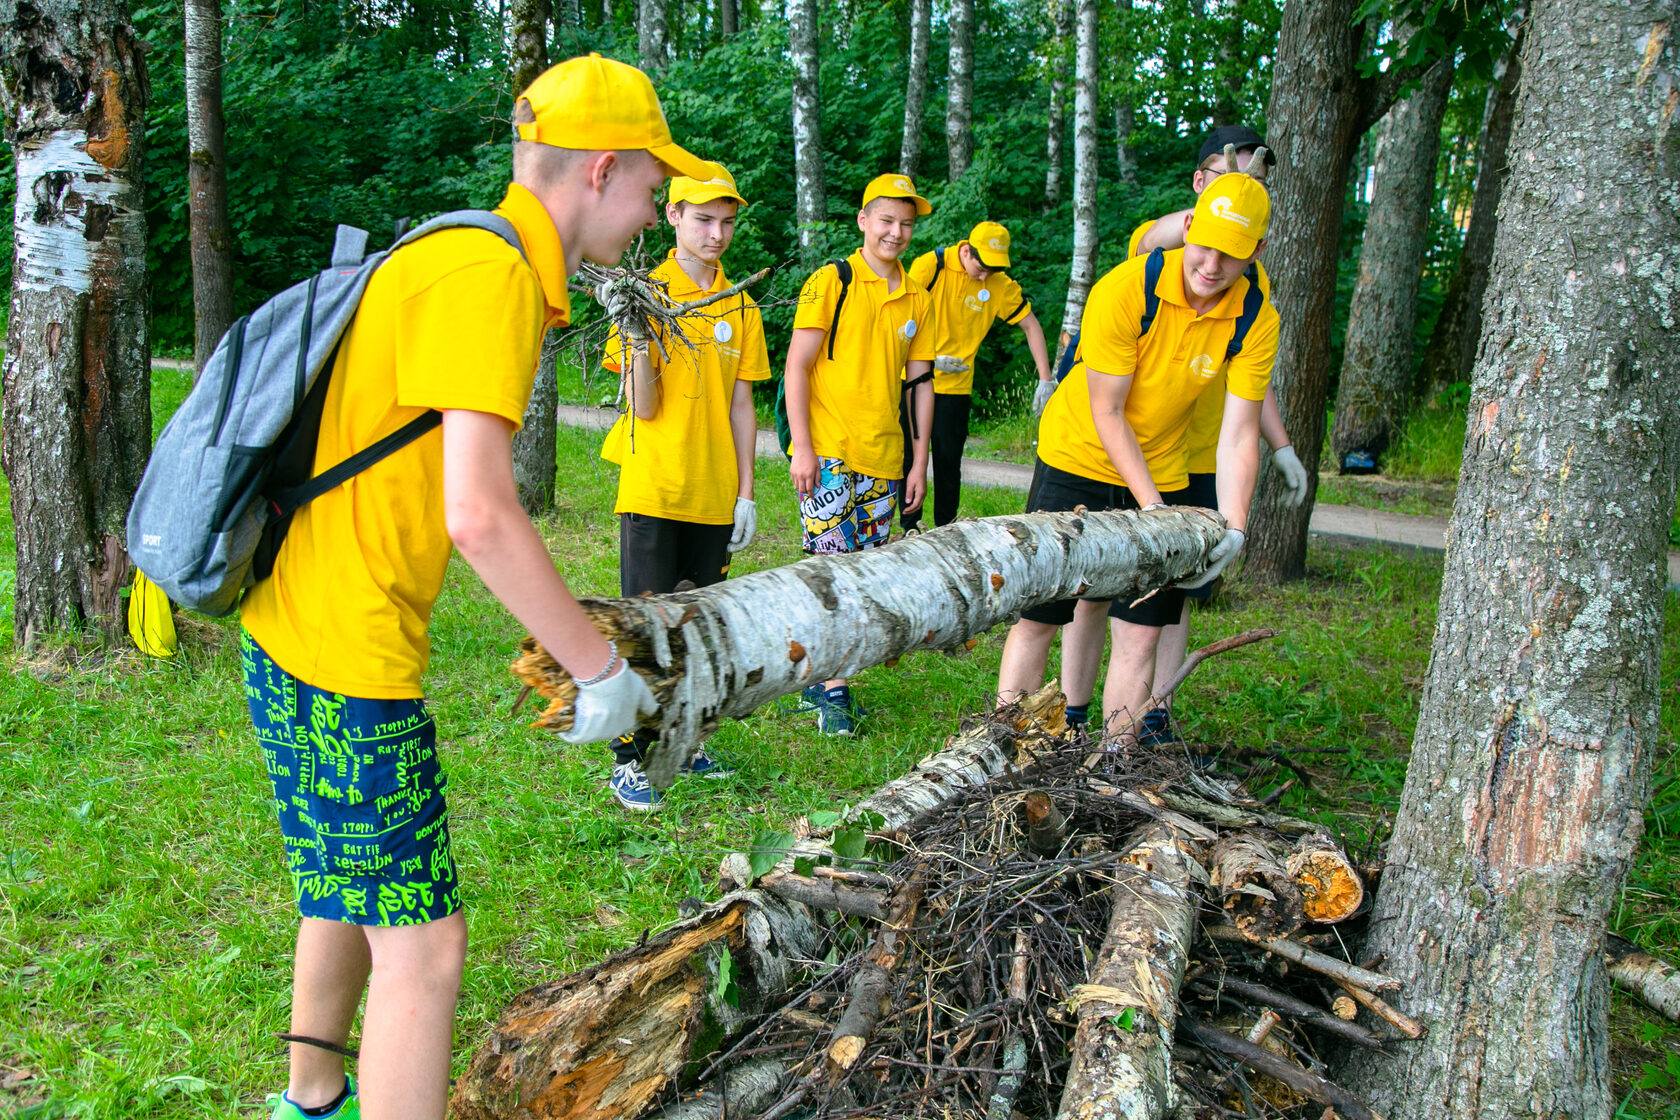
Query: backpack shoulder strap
x: 843, y: 269
x: 1070, y: 357
x: 1253, y: 300
x: 1151, y: 302
x: 464, y: 219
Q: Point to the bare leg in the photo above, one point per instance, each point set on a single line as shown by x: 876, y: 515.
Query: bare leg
x: 328, y: 975
x: 409, y: 1024
x: 1131, y: 673
x: 1169, y: 655
x: 1082, y: 650
x: 1026, y: 652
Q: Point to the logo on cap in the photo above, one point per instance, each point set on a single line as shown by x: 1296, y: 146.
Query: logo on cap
x: 903, y: 184
x: 1221, y: 208
x: 993, y: 244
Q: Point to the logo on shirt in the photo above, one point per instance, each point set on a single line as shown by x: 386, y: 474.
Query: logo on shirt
x: 1202, y: 366
x: 1221, y: 208
x: 983, y: 295
x: 722, y: 331
x: 908, y: 330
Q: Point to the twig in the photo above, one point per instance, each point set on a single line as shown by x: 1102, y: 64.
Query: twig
x: 1340, y: 971
x: 1195, y: 658
x: 1306, y: 1012
x: 1301, y: 1080
x: 1391, y: 1015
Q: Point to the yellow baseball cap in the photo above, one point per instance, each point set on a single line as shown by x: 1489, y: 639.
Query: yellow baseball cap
x: 719, y: 184
x: 1231, y: 215
x: 990, y: 242
x: 893, y: 185
x: 601, y: 104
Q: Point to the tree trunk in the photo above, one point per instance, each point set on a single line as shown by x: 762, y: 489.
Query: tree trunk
x: 1233, y: 61
x: 1452, y: 347
x: 810, y: 194
x: 1531, y: 764
x: 1313, y: 117
x: 530, y: 42
x: 1058, y: 103
x: 1125, y: 119
x: 959, y: 94
x: 727, y: 21
x: 915, y: 88
x: 1375, y: 392
x: 207, y: 213
x: 1083, y: 272
x: 652, y: 34
x: 1125, y: 108
x: 534, y: 450
x: 77, y: 376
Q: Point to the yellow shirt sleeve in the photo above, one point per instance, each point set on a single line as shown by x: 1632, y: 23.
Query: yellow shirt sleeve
x: 921, y: 346
x: 816, y: 300
x: 1108, y: 332
x: 921, y: 269
x: 755, y: 354
x: 613, y: 356
x: 466, y: 340
x: 1011, y: 302
x: 1136, y: 242
x: 1251, y: 371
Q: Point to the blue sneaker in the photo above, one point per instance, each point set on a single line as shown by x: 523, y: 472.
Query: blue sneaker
x: 349, y: 1108
x: 1156, y: 729
x: 837, y: 715
x: 630, y: 785
x: 703, y: 765
x: 808, y: 700
x: 1359, y: 462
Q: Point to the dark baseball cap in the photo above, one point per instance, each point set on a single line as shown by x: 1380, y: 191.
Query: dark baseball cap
x: 1240, y: 137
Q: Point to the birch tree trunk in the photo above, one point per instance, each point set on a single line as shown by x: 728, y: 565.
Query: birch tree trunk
x: 1083, y: 272
x: 1375, y: 391
x: 810, y: 195
x: 959, y: 92
x: 1058, y: 63
x: 1531, y: 763
x: 534, y: 450
x: 1452, y: 347
x: 1125, y: 108
x: 77, y: 375
x: 207, y: 213
x: 915, y: 88
x: 652, y: 34
x: 728, y: 23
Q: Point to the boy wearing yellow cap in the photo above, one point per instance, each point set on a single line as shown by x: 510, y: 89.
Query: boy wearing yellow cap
x: 970, y: 291
x: 335, y: 644
x: 685, y: 449
x: 860, y: 350
x: 1157, y: 331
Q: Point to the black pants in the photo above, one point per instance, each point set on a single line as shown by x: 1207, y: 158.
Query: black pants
x: 654, y: 555
x: 945, y: 454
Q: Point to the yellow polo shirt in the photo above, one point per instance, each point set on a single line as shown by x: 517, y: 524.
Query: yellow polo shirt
x: 854, y: 396
x: 681, y: 464
x: 1171, y: 367
x: 454, y: 320
x: 963, y: 311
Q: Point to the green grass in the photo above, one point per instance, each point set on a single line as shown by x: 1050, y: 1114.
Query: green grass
x: 145, y: 915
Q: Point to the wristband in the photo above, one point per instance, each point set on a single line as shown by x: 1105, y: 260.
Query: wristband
x: 612, y: 663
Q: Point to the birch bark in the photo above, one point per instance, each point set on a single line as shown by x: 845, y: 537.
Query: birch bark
x: 728, y: 22
x: 77, y: 374
x: 652, y: 34
x: 207, y: 214
x: 810, y: 195
x: 1531, y: 763
x: 1083, y: 272
x: 959, y: 91
x: 915, y: 88
x: 534, y: 449
x: 1057, y: 119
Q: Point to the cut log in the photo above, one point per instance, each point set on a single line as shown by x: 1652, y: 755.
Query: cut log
x: 1255, y: 890
x: 724, y: 650
x: 825, y: 894
x: 1264, y: 1061
x: 1047, y: 828
x: 1338, y: 970
x: 1655, y: 982
x: 1123, y: 1046
x: 604, y: 1042
x: 1331, y: 890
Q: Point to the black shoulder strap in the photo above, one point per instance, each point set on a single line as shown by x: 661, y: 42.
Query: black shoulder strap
x: 293, y: 498
x: 1151, y: 302
x: 1253, y: 300
x: 843, y: 269
x: 938, y: 266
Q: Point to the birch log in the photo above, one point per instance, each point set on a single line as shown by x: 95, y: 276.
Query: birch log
x: 1120, y: 1072
x: 722, y: 651
x: 606, y: 1041
x: 1257, y: 892
x: 1655, y: 982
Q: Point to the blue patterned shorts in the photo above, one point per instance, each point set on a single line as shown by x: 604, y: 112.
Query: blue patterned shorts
x: 359, y: 793
x: 847, y: 512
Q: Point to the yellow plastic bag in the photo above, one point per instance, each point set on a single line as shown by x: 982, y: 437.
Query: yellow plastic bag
x: 150, y: 622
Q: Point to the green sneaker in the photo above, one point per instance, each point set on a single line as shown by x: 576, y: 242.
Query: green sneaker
x: 347, y: 1109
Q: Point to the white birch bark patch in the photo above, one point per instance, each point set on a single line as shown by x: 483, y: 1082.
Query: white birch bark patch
x: 66, y: 201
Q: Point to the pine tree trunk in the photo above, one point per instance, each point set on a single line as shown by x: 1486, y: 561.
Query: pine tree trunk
x: 1083, y: 272
x: 207, y: 213
x: 810, y: 195
x: 915, y: 88
x: 959, y: 95
x: 652, y: 34
x: 1375, y: 391
x: 1057, y: 117
x: 1452, y: 346
x: 1531, y: 764
x: 77, y: 376
x: 1313, y: 118
x: 534, y: 450
x: 728, y: 22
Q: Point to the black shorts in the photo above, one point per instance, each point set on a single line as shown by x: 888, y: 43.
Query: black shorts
x: 1202, y: 492
x: 1059, y: 491
x: 656, y: 553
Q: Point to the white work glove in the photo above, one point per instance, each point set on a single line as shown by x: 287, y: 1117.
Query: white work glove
x: 945, y: 363
x: 1223, y: 553
x: 1041, y: 396
x: 746, y: 524
x: 1288, y: 464
x: 610, y: 708
x: 617, y: 305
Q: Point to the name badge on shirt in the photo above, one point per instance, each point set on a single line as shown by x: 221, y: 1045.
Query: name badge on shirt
x: 983, y: 295
x: 908, y: 330
x: 722, y: 331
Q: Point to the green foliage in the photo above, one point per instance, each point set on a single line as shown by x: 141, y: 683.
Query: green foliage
x: 1475, y: 32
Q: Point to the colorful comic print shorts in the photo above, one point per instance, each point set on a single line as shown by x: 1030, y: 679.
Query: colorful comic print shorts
x: 847, y: 512
x: 360, y: 798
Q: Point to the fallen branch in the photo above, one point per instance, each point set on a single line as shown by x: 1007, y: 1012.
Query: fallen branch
x: 825, y: 894
x: 1655, y: 982
x: 1379, y: 1007
x: 1264, y: 1061
x: 1047, y: 828
x: 1305, y: 1012
x: 1257, y: 893
x: 869, y: 987
x: 1338, y: 970
x: 1001, y: 1106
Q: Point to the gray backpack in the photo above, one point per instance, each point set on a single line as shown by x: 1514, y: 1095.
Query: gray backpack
x: 234, y: 463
